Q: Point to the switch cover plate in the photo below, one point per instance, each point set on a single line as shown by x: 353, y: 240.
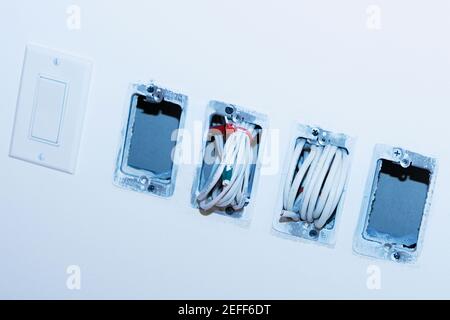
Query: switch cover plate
x: 50, y: 108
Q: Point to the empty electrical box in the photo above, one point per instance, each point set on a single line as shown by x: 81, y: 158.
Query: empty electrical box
x: 396, y: 204
x: 150, y: 135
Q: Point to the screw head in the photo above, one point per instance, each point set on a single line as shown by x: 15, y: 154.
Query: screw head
x: 323, y: 139
x: 406, y: 161
x: 158, y: 95
x: 229, y: 110
x: 229, y: 210
x: 396, y: 255
x: 313, y: 233
x: 397, y: 153
x: 315, y: 132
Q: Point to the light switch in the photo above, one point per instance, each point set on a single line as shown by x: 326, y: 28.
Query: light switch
x: 50, y: 108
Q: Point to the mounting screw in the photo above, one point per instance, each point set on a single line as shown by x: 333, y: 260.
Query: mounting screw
x: 315, y: 132
x: 406, y: 161
x: 396, y: 255
x: 323, y: 139
x: 151, y: 188
x: 56, y: 62
x: 229, y: 110
x: 229, y: 210
x: 313, y: 233
x: 397, y: 153
x: 143, y: 180
x: 158, y: 95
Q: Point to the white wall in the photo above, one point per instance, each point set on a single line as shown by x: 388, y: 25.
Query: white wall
x: 314, y: 61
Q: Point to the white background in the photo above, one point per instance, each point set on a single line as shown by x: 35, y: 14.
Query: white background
x: 311, y: 61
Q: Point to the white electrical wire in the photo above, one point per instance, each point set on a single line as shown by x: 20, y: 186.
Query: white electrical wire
x: 315, y: 182
x: 227, y: 184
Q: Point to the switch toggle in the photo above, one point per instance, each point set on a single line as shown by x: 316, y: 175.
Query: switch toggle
x: 48, y: 110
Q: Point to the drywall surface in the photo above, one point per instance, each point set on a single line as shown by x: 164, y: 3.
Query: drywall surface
x: 376, y: 70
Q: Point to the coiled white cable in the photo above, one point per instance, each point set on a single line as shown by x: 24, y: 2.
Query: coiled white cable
x: 315, y: 183
x: 227, y: 185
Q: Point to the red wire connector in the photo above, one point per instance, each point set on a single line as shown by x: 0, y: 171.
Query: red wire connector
x: 230, y: 128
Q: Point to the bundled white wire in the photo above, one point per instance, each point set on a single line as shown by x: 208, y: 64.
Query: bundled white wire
x: 315, y: 183
x: 235, y: 155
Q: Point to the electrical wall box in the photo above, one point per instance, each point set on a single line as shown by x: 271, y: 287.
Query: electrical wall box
x: 150, y: 135
x: 232, y: 147
x: 50, y: 108
x: 313, y: 185
x: 396, y: 205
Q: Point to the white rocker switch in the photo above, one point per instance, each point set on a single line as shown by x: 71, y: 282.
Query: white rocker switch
x: 50, y: 108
